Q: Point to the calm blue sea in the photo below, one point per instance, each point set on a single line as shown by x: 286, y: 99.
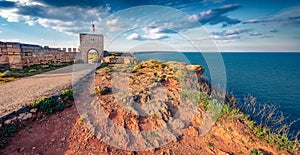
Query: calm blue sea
x: 270, y: 77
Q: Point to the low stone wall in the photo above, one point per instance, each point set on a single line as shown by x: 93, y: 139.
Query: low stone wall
x: 17, y: 55
x: 120, y: 60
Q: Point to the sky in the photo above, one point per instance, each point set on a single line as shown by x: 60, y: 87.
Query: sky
x: 183, y: 25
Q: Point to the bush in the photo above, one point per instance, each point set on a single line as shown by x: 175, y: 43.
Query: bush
x: 8, y: 130
x: 54, y: 104
x: 68, y: 94
x: 105, y: 91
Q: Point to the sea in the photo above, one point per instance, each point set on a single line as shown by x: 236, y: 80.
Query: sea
x: 270, y: 77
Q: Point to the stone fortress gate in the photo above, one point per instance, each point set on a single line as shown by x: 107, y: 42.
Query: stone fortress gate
x: 90, y: 42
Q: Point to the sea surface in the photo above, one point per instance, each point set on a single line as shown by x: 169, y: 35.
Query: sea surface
x: 270, y: 77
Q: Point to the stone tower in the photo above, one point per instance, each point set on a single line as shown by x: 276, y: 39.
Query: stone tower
x: 91, y: 42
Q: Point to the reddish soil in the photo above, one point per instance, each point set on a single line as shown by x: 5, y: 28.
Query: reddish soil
x: 64, y: 132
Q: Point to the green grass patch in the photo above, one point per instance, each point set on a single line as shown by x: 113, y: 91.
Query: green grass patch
x: 8, y: 130
x: 54, y: 104
x: 28, y: 71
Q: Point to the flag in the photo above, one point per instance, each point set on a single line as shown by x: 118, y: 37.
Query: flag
x: 93, y: 25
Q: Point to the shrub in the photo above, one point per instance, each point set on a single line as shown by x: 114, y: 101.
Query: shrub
x: 68, y: 94
x: 54, y: 104
x: 105, y: 91
x: 8, y: 130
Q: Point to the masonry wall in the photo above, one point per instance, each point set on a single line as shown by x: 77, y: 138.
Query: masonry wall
x: 120, y: 60
x: 17, y: 55
x: 91, y: 42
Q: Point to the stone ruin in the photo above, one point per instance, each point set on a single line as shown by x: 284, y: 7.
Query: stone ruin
x: 95, y: 42
x: 18, y: 55
x: 90, y: 42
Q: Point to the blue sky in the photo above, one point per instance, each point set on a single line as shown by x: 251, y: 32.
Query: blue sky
x: 227, y: 25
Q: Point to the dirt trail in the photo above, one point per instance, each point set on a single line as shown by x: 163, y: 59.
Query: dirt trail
x: 15, y: 94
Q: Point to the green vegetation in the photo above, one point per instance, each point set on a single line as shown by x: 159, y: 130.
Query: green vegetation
x: 81, y: 120
x: 154, y: 64
x: 258, y: 152
x: 92, y: 56
x: 28, y: 71
x: 102, y: 91
x: 278, y: 139
x: 198, y: 148
x: 48, y: 105
x: 8, y: 130
x: 153, y: 134
x: 54, y: 104
x: 209, y: 144
x: 212, y: 102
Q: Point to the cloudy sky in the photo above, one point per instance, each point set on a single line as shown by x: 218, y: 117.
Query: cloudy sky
x: 229, y: 25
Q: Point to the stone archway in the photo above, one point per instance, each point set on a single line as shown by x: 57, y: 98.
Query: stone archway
x: 93, y: 56
x: 91, y: 42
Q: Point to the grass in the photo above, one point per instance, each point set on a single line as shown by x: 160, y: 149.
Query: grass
x: 92, y: 56
x: 80, y: 120
x: 103, y: 91
x: 247, y: 112
x: 257, y: 152
x: 209, y: 144
x: 279, y: 138
x: 54, y: 104
x: 153, y: 134
x: 20, y: 73
x: 8, y: 130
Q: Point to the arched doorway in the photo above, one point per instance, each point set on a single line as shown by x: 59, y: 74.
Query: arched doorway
x: 89, y: 43
x: 93, y: 56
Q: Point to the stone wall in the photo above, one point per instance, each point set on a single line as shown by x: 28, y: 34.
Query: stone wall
x: 18, y: 55
x: 120, y: 60
x: 91, y: 42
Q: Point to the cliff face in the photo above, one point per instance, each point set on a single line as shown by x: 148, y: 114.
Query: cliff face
x: 165, y: 108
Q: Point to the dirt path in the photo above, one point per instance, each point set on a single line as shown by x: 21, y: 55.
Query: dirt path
x: 14, y: 95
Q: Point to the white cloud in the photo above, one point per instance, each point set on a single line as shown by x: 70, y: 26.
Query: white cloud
x: 289, y: 16
x: 151, y: 33
x: 154, y: 36
x: 112, y: 22
x: 69, y: 20
x: 10, y: 15
x: 134, y: 36
x: 253, y: 34
x: 27, y: 2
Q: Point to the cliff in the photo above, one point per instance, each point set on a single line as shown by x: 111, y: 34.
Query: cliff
x: 150, y: 108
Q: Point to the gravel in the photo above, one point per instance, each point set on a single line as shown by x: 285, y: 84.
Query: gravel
x: 16, y: 94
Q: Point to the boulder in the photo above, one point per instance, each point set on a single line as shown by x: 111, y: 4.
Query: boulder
x: 27, y: 116
x: 197, y: 69
x: 6, y: 74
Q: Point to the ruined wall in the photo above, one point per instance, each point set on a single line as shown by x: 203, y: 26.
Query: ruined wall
x: 17, y: 55
x: 120, y: 60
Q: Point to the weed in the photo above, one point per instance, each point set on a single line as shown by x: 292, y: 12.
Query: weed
x: 54, y: 104
x: 93, y: 95
x: 68, y: 94
x: 198, y: 148
x: 209, y: 144
x: 153, y: 134
x: 80, y: 120
x: 257, y: 152
x: 105, y: 91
